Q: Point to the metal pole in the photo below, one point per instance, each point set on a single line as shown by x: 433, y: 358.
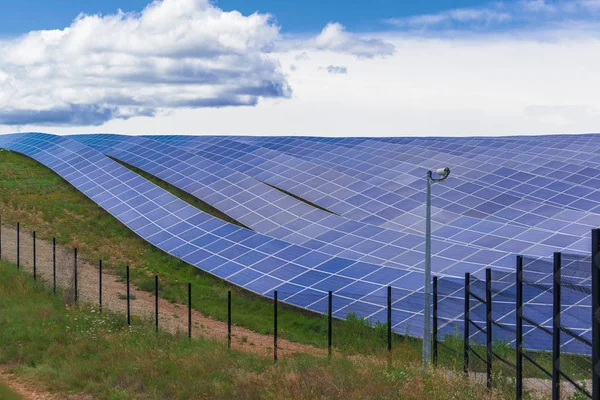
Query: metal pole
x: 488, y: 322
x: 18, y: 245
x: 54, y: 265
x: 75, y: 273
x: 389, y: 318
x: 156, y: 303
x: 275, y: 326
x: 556, y: 329
x: 329, y: 322
x: 519, y: 323
x: 466, y: 326
x: 189, y: 310
x: 595, y: 313
x: 435, y: 320
x: 100, y: 285
x: 229, y: 319
x: 427, y: 287
x: 34, y: 259
x: 128, y: 300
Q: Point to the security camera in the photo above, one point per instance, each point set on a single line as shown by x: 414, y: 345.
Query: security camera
x: 443, y: 172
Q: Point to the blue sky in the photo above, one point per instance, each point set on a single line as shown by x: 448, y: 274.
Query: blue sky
x: 294, y: 16
x: 325, y: 68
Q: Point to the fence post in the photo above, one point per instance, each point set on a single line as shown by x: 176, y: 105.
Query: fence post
x: 488, y: 323
x: 34, y: 259
x: 466, y: 325
x: 275, y: 326
x: 100, y: 286
x: 389, y: 318
x: 0, y: 237
x: 189, y: 310
x: 435, y: 320
x: 156, y: 303
x: 595, y: 313
x: 128, y: 299
x: 229, y: 319
x: 329, y: 322
x: 556, y: 328
x: 54, y: 265
x: 75, y: 273
x: 519, y: 327
x: 18, y: 245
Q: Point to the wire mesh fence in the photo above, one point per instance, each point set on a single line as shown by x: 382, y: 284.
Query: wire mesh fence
x: 533, y: 323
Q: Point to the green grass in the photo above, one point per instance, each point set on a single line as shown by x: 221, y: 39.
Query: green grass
x: 38, y: 198
x: 41, y: 200
x: 7, y: 394
x: 74, y: 350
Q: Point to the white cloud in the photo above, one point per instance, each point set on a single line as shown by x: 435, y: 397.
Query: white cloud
x: 174, y: 54
x: 431, y: 86
x: 334, y: 37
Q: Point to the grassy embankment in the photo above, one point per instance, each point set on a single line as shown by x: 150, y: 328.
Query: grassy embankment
x: 69, y: 349
x: 38, y: 198
x: 41, y: 200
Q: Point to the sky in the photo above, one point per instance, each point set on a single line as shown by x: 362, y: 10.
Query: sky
x: 318, y: 68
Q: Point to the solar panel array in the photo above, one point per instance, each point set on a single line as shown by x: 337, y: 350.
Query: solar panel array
x: 356, y: 223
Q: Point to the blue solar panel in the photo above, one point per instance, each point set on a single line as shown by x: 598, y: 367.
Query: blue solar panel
x: 505, y: 196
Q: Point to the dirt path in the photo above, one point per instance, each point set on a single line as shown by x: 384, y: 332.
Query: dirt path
x: 172, y: 317
x: 22, y: 388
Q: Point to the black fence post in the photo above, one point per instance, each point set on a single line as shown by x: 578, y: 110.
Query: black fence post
x: 189, y: 310
x: 18, y: 245
x: 556, y: 328
x: 34, y: 259
x: 488, y: 323
x: 435, y: 320
x: 100, y: 286
x: 156, y: 303
x: 0, y: 237
x: 595, y: 313
x: 75, y: 274
x: 128, y: 299
x: 519, y: 327
x: 54, y: 265
x: 229, y: 319
x: 275, y: 326
x: 329, y: 322
x: 389, y: 318
x: 466, y: 326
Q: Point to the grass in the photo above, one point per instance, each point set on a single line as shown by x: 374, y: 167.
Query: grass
x: 73, y: 350
x: 41, y: 200
x: 38, y: 198
x: 7, y: 394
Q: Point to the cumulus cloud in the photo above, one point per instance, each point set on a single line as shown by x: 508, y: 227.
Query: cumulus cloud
x: 174, y: 54
x: 336, y: 69
x: 501, y: 14
x: 335, y: 38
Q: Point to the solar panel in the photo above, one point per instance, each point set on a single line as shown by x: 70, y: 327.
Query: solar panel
x: 505, y: 196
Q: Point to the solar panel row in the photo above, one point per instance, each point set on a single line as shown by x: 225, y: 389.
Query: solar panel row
x: 505, y: 196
